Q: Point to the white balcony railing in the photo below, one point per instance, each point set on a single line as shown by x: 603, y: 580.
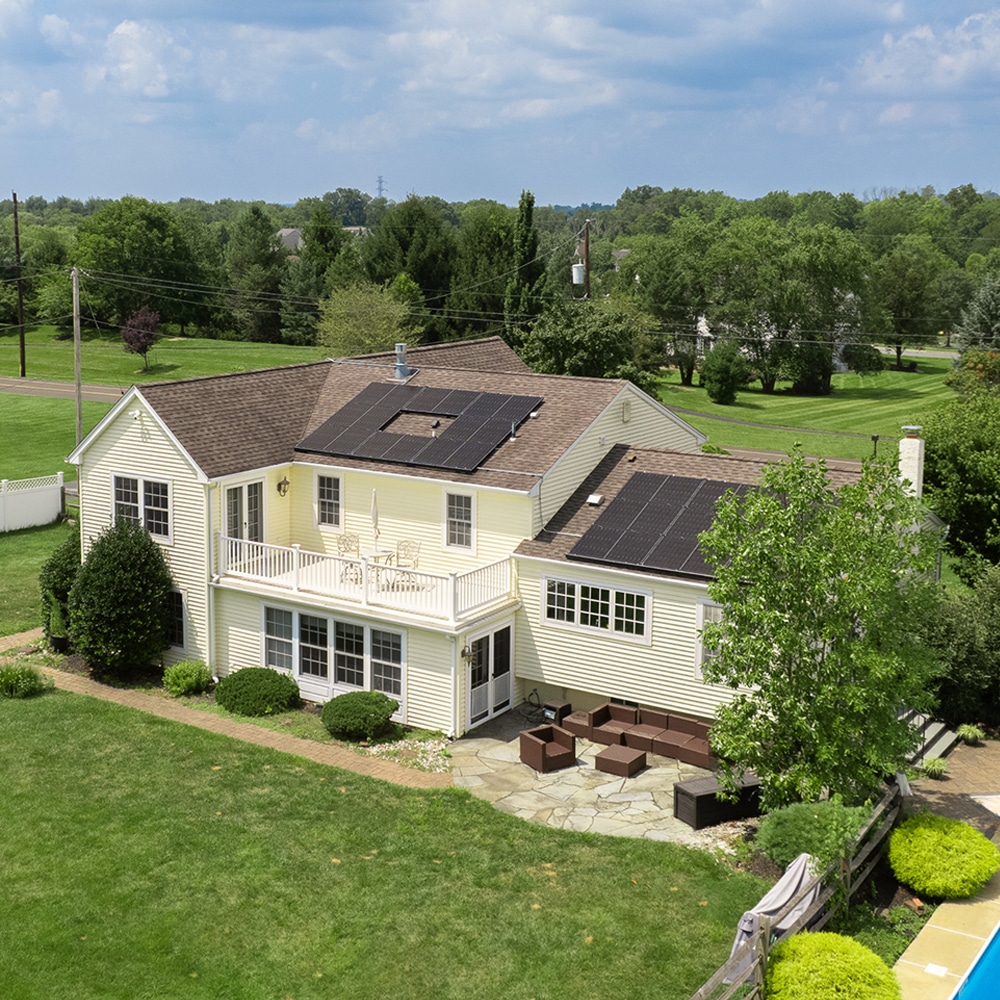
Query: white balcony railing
x: 450, y: 596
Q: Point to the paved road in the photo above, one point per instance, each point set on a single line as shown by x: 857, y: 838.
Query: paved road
x: 59, y: 390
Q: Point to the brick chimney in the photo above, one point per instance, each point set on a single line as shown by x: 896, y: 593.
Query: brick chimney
x: 911, y: 461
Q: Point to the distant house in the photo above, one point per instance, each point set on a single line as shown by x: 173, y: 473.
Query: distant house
x: 443, y: 526
x: 291, y: 239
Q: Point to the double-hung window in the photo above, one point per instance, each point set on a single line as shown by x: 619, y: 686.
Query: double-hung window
x: 328, y: 501
x: 589, y: 606
x: 348, y: 654
x: 143, y: 501
x: 278, y: 635
x: 458, y: 521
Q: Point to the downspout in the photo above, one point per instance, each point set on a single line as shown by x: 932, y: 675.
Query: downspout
x: 454, y: 687
x: 212, y: 564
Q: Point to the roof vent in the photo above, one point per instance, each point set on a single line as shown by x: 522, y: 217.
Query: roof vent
x: 595, y: 499
x: 402, y: 369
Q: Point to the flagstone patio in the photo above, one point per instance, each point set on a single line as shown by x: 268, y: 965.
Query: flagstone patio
x: 486, y: 762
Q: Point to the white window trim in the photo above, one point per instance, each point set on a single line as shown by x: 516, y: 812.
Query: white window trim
x: 331, y: 620
x: 471, y: 547
x: 337, y: 529
x: 643, y: 639
x: 703, y: 617
x: 166, y: 539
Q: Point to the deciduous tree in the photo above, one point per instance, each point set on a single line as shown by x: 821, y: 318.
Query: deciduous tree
x: 821, y: 591
x: 141, y: 332
x: 365, y: 319
x: 962, y: 474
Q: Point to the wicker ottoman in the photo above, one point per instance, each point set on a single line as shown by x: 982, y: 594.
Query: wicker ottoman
x: 620, y: 760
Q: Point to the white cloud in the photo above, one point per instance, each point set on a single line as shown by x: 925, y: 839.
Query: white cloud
x: 900, y: 112
x: 935, y: 63
x: 143, y: 59
x: 12, y: 14
x: 59, y: 35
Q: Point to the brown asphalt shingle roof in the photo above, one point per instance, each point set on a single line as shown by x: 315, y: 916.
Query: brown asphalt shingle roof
x: 486, y: 354
x: 250, y: 420
x: 577, y: 517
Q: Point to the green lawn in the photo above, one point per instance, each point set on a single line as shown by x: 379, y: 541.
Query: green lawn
x: 144, y: 858
x: 22, y: 554
x: 38, y: 433
x: 104, y: 362
x: 859, y: 407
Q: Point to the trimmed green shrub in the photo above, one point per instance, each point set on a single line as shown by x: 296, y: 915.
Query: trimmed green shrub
x: 257, y: 691
x: 187, y: 677
x: 119, y: 605
x: 822, y: 829
x: 56, y: 580
x: 359, y: 715
x: 18, y: 680
x: 826, y: 966
x: 940, y: 857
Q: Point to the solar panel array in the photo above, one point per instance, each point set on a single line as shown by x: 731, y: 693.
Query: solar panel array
x: 654, y: 523
x: 482, y: 420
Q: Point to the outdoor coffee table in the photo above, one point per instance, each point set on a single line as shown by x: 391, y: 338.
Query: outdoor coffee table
x: 620, y: 760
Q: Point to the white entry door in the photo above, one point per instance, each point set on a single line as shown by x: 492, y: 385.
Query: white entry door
x: 490, y: 674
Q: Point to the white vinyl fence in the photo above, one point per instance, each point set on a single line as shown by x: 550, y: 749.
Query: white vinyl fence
x: 25, y: 503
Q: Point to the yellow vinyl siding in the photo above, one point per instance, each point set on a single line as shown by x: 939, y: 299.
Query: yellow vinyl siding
x: 646, y: 427
x: 661, y: 674
x: 428, y: 680
x: 408, y: 509
x: 140, y: 448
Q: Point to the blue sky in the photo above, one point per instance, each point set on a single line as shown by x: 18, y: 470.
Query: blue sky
x: 467, y: 98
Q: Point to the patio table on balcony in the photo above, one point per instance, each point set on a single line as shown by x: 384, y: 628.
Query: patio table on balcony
x: 383, y: 556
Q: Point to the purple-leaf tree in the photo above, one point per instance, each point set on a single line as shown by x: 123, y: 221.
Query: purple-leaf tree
x: 140, y: 333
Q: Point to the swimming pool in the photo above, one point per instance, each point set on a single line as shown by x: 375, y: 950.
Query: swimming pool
x: 981, y: 982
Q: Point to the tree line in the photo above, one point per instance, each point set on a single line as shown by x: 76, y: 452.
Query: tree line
x: 797, y: 283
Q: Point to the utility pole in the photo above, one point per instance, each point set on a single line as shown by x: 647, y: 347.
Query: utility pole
x: 20, y: 287
x: 75, y: 274
x: 586, y: 260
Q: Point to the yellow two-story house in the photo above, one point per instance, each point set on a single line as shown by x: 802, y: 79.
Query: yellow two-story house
x: 442, y: 525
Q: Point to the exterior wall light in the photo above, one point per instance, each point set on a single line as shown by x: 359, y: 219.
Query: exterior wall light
x: 283, y: 487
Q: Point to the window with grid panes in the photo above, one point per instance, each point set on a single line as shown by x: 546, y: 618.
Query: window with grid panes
x: 349, y: 654
x: 278, y: 636
x: 606, y: 609
x: 313, y: 646
x: 630, y: 612
x: 560, y: 601
x: 127, y: 498
x: 387, y: 662
x: 175, y: 630
x: 459, y: 526
x: 595, y: 606
x: 328, y: 500
x: 143, y: 501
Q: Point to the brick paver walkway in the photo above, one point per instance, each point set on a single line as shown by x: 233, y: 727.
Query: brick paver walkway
x: 166, y: 708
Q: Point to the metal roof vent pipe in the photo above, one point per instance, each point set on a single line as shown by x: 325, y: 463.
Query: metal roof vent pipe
x: 402, y: 369
x: 911, y: 461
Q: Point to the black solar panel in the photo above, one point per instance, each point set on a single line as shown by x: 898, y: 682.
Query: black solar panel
x: 480, y: 422
x: 654, y: 523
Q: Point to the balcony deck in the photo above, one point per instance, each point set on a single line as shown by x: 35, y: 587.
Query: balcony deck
x: 450, y: 597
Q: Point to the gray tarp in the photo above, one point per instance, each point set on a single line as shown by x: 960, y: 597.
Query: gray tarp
x: 798, y: 880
